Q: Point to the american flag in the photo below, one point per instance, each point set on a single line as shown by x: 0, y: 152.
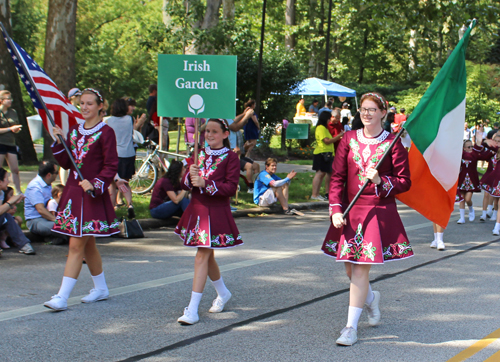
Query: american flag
x: 63, y: 112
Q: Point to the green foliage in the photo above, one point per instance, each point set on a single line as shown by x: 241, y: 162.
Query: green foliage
x: 395, y: 48
x: 280, y: 74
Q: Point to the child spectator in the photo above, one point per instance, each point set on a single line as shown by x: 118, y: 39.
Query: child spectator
x: 57, y: 191
x: 3, y: 234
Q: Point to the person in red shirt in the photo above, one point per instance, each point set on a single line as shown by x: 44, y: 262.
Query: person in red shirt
x: 335, y: 127
x: 399, y: 119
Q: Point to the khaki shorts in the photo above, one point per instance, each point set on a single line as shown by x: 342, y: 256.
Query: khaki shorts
x: 268, y: 198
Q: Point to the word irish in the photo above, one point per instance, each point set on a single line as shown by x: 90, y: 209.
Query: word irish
x: 195, y: 67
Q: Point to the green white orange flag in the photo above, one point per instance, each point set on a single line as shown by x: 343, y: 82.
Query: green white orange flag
x: 436, y: 130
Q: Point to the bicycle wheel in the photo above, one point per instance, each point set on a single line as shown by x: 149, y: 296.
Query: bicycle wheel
x: 144, y: 181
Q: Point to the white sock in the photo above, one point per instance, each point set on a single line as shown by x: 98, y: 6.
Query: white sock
x: 471, y: 208
x: 194, y: 302
x: 462, y: 213
x: 490, y: 208
x: 100, y: 282
x: 435, y: 236
x: 497, y: 225
x: 369, y: 296
x: 66, y: 287
x: 494, y: 215
x: 220, y: 287
x: 483, y: 215
x: 439, y: 236
x: 353, y: 317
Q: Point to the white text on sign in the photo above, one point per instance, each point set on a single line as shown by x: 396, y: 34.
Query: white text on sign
x: 195, y: 67
x: 181, y: 83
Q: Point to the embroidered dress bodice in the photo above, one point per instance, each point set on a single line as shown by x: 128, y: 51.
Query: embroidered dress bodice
x: 357, y: 154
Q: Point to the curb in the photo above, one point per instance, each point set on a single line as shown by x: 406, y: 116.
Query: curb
x: 150, y: 223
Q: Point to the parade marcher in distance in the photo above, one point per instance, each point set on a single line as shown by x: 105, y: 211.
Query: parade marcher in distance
x: 468, y: 178
x: 207, y: 223
x: 84, y: 216
x: 490, y: 203
x: 372, y: 232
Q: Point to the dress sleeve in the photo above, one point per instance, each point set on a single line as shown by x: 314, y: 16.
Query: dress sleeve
x: 186, y: 181
x: 110, y: 165
x: 399, y: 181
x: 60, y: 154
x: 484, y: 153
x: 339, y: 177
x: 226, y: 187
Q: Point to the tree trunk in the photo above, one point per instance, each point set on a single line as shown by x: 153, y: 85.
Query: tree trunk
x: 9, y: 80
x: 289, y: 21
x: 59, y: 59
x: 413, y: 51
x: 210, y: 21
x: 439, y: 41
x: 228, y: 10
x: 190, y: 46
x: 312, y: 32
x: 363, y: 55
x: 211, y: 18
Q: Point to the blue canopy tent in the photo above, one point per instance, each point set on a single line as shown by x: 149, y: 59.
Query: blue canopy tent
x: 321, y: 87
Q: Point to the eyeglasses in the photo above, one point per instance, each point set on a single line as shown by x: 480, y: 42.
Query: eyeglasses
x: 370, y: 111
x: 6, y: 99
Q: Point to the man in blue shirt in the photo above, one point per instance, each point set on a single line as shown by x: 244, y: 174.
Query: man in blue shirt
x: 39, y: 220
x: 269, y: 188
x: 328, y: 107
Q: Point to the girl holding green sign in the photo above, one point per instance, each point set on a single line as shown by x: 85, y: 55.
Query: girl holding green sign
x: 207, y: 223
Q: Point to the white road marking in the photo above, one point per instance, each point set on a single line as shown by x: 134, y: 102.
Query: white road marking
x: 27, y: 311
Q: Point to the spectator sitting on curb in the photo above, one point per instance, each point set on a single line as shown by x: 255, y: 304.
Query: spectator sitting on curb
x: 7, y: 221
x: 3, y: 234
x: 168, y: 198
x: 39, y: 220
x: 269, y: 188
x: 57, y: 191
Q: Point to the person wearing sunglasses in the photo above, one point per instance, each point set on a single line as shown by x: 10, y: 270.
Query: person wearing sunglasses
x: 468, y: 178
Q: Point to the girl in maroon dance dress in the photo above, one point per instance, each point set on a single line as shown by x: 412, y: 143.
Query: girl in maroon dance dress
x: 468, y: 178
x: 490, y: 203
x: 372, y: 233
x: 83, y: 216
x: 207, y: 223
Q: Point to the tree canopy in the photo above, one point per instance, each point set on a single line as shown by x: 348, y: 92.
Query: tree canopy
x: 395, y: 47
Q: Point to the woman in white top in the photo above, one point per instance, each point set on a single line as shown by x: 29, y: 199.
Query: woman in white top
x: 123, y: 125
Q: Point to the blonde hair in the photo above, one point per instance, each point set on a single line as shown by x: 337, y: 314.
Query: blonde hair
x: 4, y: 93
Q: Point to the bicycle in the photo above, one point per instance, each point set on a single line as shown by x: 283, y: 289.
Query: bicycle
x: 149, y: 167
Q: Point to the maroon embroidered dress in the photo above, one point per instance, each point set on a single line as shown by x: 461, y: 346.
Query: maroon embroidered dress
x: 468, y: 178
x: 207, y: 221
x: 374, y: 232
x: 94, y: 151
x: 490, y: 182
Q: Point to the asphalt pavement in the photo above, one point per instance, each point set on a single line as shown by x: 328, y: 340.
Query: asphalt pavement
x: 289, y: 300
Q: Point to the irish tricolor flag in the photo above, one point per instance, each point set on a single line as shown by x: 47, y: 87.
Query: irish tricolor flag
x: 436, y: 129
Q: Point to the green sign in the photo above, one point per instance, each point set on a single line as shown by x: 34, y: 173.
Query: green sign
x: 200, y: 86
x: 298, y: 131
